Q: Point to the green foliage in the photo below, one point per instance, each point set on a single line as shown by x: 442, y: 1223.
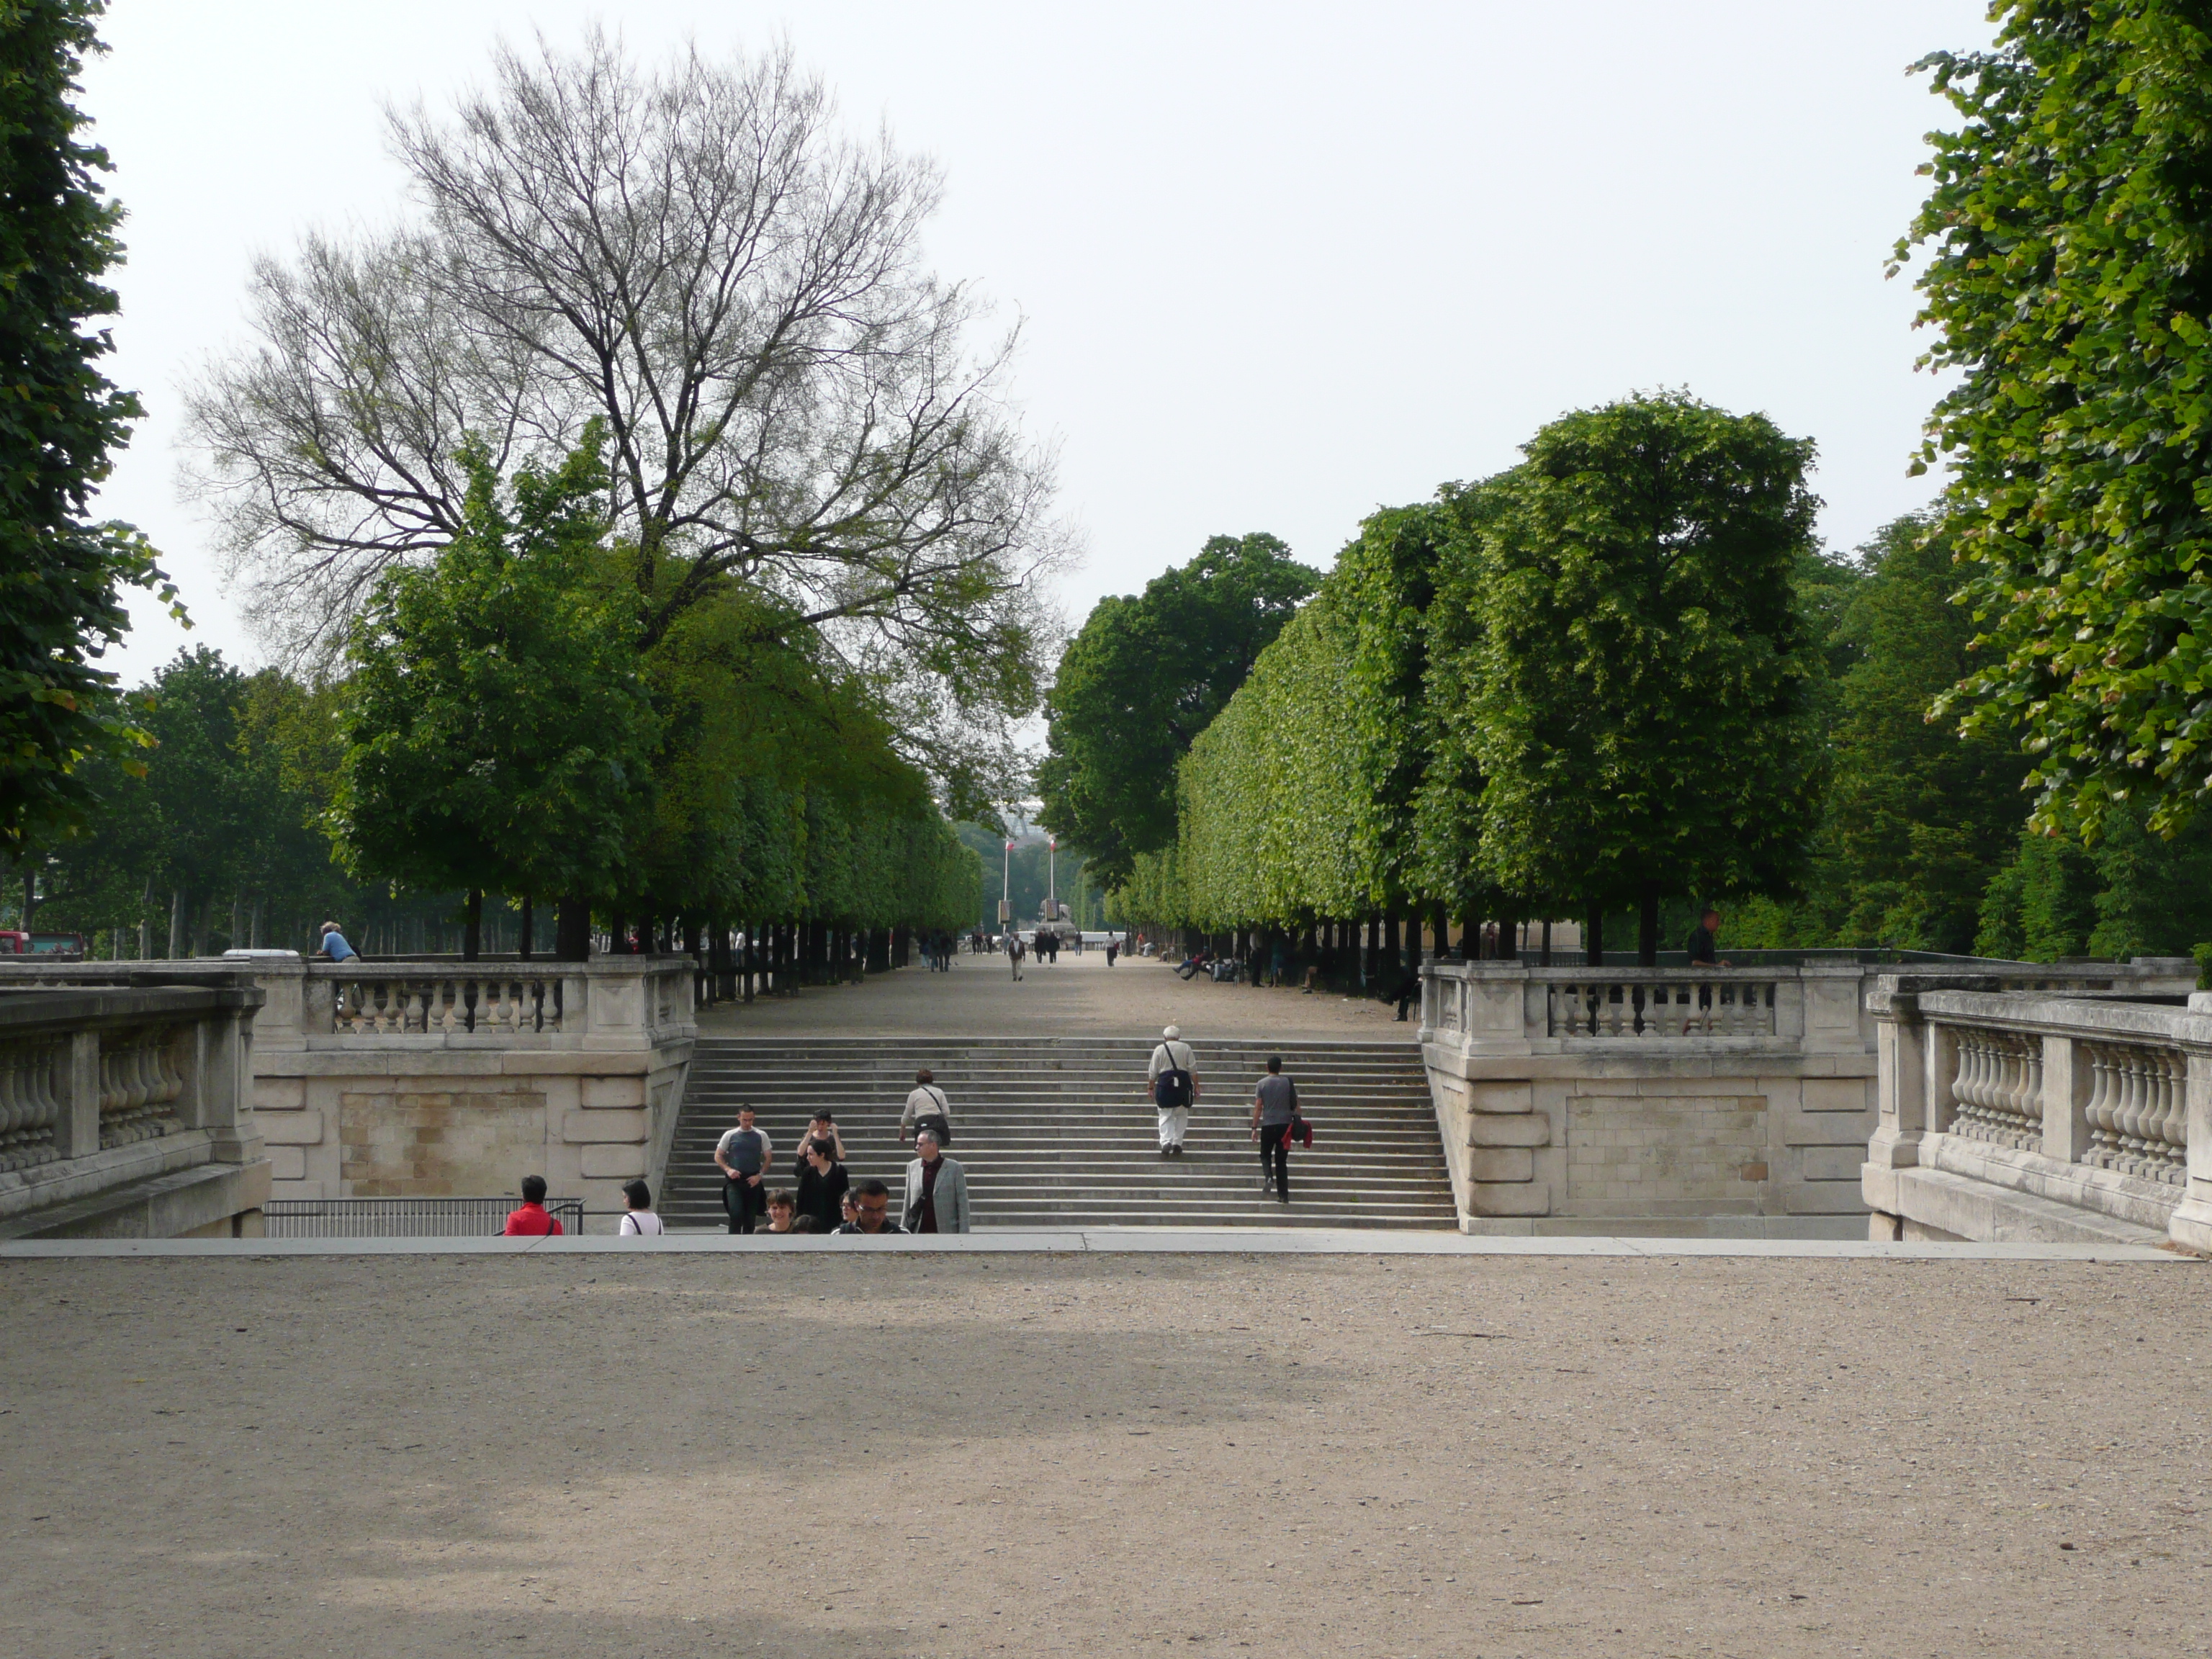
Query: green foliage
x: 497, y: 730
x: 59, y: 418
x: 1919, y: 817
x: 1142, y: 679
x: 1298, y: 802
x: 1639, y: 692
x: 2135, y: 893
x: 2068, y: 232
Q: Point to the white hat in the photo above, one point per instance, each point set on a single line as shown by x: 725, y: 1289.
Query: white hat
x: 1174, y: 1033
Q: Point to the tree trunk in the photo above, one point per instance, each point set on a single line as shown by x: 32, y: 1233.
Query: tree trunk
x: 522, y: 941
x: 30, y: 896
x: 1593, y: 941
x: 1546, y: 961
x: 473, y: 935
x: 1442, y: 923
x: 1647, y: 932
x: 572, y: 930
x: 1509, y: 940
x: 176, y: 923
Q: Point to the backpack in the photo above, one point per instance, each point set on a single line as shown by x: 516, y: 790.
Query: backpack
x: 1171, y: 1087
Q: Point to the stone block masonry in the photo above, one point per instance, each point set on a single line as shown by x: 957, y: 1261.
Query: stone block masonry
x: 1735, y: 1101
x: 436, y: 1078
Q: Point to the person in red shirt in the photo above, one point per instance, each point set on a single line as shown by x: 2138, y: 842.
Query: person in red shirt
x: 530, y: 1218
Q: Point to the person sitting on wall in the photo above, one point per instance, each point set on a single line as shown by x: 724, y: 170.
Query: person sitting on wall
x: 334, y: 946
x: 531, y: 1219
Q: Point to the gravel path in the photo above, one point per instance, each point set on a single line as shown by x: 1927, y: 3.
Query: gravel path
x: 1077, y: 996
x: 1103, y: 1455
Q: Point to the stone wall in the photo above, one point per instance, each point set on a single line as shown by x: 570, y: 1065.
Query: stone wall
x: 1665, y: 1101
x: 437, y: 1078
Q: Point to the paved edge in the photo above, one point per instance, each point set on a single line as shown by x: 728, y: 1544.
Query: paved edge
x: 1214, y: 1241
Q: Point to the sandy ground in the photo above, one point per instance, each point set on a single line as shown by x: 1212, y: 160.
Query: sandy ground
x: 1077, y: 996
x: 906, y: 1455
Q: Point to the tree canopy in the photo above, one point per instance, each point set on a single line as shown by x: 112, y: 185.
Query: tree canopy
x: 2068, y: 283
x: 1639, y: 703
x: 498, y: 730
x: 1145, y: 675
x: 693, y: 256
x: 60, y: 575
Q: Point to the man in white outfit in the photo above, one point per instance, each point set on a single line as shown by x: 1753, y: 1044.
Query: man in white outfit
x: 1173, y: 1084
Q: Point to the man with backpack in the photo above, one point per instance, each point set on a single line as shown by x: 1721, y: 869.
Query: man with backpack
x: 744, y: 1156
x: 926, y: 1108
x: 1173, y: 1083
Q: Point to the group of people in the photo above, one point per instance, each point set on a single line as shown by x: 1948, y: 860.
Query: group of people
x: 1277, y: 1123
x: 938, y: 950
x: 826, y: 1199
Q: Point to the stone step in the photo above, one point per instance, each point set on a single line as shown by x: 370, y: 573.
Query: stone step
x: 1056, y: 1132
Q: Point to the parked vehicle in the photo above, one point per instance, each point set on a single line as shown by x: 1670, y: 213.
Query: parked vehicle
x: 14, y: 942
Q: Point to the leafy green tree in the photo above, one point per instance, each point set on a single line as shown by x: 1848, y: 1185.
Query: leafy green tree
x: 1640, y: 688
x: 1147, y: 674
x: 59, y: 575
x: 1918, y: 817
x: 498, y: 729
x: 2069, y: 283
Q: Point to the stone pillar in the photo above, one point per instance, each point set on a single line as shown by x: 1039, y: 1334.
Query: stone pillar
x: 76, y: 1091
x: 2191, y: 1226
x: 2066, y: 1078
x: 1901, y: 1071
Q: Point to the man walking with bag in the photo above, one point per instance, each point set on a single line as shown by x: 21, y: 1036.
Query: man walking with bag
x: 926, y: 1108
x: 1172, y: 1082
x: 1275, y: 1109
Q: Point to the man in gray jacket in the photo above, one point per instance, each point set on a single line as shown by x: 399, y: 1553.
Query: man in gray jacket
x: 936, y: 1189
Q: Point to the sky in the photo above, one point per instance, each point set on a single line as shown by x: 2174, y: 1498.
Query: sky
x: 1274, y: 265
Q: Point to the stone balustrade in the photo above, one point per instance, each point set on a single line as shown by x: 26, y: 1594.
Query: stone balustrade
x: 1734, y: 1100
x: 2040, y: 1116
x: 435, y: 1077
x: 126, y: 1110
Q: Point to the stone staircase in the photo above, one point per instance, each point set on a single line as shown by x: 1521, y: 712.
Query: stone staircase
x: 1058, y: 1132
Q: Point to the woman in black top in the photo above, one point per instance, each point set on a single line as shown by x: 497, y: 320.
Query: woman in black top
x: 821, y: 1184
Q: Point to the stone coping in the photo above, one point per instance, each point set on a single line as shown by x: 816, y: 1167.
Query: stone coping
x: 1169, y: 1241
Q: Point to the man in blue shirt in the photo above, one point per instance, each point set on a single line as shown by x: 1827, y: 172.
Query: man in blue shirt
x: 334, y: 944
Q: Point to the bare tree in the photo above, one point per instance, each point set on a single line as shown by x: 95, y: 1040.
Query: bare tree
x: 695, y: 256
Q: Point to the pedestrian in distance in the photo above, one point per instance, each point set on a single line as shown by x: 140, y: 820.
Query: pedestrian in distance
x: 1275, y: 1109
x: 872, y: 1210
x: 821, y: 1184
x: 1014, y: 954
x: 638, y: 1220
x: 531, y: 1219
x: 1701, y: 948
x: 926, y: 1108
x: 936, y: 1189
x: 1172, y: 1082
x: 744, y: 1156
x: 1113, y: 949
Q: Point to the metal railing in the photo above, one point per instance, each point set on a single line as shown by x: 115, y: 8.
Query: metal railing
x: 404, y: 1217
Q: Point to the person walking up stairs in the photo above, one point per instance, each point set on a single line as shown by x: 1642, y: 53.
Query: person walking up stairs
x: 1173, y: 1082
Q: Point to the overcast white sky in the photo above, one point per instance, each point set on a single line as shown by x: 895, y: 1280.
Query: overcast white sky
x: 1277, y: 264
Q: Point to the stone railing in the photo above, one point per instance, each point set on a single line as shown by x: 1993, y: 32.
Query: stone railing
x: 1729, y: 1100
x: 2041, y: 1115
x: 431, y: 1077
x: 127, y: 1111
